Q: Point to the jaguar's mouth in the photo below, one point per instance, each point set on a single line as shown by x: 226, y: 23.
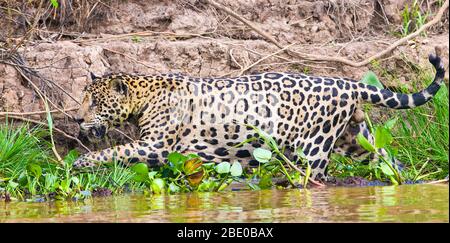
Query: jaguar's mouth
x: 98, y: 132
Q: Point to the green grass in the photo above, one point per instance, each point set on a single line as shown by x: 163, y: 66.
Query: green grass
x: 422, y: 135
x: 412, y: 18
x: 29, y: 171
x: 20, y: 147
x: 420, y: 139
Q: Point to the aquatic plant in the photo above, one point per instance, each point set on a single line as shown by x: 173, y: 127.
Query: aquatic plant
x: 185, y: 173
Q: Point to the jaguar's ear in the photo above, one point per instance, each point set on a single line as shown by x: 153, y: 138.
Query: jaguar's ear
x: 93, y: 77
x: 119, y: 86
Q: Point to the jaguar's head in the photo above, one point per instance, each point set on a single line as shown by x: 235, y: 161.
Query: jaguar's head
x: 105, y: 103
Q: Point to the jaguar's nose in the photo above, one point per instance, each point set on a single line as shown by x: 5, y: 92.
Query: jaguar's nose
x: 79, y: 120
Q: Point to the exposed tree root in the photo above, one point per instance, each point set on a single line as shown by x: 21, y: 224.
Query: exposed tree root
x: 345, y: 61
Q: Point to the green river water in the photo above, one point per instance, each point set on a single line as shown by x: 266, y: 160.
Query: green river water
x: 407, y: 203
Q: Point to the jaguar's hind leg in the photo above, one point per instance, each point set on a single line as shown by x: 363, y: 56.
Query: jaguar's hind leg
x: 318, y: 161
x: 347, y: 145
x: 319, y: 167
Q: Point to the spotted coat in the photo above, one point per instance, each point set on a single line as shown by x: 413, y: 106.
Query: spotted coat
x: 208, y: 116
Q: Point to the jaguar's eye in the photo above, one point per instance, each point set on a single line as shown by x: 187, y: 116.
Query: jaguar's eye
x: 93, y: 104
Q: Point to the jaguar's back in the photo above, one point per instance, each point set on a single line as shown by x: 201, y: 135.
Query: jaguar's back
x: 209, y: 116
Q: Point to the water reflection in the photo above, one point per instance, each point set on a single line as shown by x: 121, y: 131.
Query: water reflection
x: 409, y: 203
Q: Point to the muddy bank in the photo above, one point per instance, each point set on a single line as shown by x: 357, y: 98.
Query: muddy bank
x: 193, y: 38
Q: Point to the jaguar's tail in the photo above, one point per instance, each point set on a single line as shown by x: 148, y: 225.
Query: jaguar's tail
x: 387, y: 98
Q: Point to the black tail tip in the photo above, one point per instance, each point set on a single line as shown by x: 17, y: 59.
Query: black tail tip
x: 437, y: 63
x: 435, y: 60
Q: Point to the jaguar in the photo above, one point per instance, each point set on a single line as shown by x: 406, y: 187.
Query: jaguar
x: 211, y: 116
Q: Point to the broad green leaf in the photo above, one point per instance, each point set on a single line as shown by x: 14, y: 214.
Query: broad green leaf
x: 140, y: 178
x: 236, y: 169
x: 370, y: 78
x: 223, y: 168
x: 140, y: 168
x: 35, y: 170
x: 55, y: 3
x: 393, y: 152
x: 65, y: 184
x: 174, y: 157
x: 382, y: 137
x: 262, y: 155
x: 386, y: 169
x: 207, y: 186
x: 177, y: 160
x: 157, y: 185
x: 364, y: 143
x: 141, y: 171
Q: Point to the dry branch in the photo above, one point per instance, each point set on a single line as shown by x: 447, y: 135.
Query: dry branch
x: 345, y: 61
x: 35, y: 112
x: 264, y: 58
x: 54, y: 128
x: 244, y: 21
x: 131, y: 58
x: 389, y: 49
x: 147, y: 33
x: 38, y: 91
x: 45, y: 99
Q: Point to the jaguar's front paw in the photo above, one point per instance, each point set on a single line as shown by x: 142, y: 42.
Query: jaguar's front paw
x: 83, y: 162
